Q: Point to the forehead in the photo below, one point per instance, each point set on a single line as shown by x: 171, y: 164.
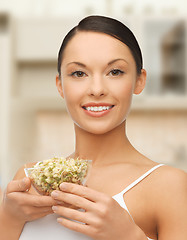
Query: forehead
x: 93, y: 45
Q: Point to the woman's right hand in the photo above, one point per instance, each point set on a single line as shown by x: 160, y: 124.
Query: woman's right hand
x: 23, y: 206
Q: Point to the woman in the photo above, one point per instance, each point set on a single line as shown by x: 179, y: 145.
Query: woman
x: 127, y: 196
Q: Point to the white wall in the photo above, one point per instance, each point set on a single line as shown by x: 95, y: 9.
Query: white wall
x: 82, y: 7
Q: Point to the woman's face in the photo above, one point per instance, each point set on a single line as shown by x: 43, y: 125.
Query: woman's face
x: 98, y: 79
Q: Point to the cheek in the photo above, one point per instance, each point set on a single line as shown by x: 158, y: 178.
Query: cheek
x: 125, y: 94
x: 72, y: 95
x: 124, y: 91
x: 128, y: 89
x: 70, y: 99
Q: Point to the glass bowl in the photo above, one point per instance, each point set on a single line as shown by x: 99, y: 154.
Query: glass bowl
x: 47, y: 175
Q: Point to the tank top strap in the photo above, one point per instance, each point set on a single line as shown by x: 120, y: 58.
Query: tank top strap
x: 140, y: 179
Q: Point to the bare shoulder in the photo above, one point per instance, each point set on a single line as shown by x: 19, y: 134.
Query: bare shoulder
x: 173, y: 179
x: 169, y: 182
x: 170, y: 198
x: 20, y: 173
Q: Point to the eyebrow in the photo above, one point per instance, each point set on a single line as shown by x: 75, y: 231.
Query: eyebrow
x: 77, y: 63
x: 118, y: 59
x: 110, y: 63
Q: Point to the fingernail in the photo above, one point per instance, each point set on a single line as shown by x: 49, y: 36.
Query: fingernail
x: 24, y: 180
x: 54, y: 194
x: 59, y: 220
x: 54, y: 208
x: 63, y: 186
x: 24, y: 183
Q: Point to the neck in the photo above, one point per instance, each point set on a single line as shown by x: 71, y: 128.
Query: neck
x: 103, y: 149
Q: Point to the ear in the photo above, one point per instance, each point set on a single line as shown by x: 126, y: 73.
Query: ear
x: 59, y: 86
x: 140, y: 82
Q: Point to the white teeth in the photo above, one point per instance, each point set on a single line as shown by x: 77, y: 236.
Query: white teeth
x: 98, y: 109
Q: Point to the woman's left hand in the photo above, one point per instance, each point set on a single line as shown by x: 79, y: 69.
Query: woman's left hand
x: 103, y: 218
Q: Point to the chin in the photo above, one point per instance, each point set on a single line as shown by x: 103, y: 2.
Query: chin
x: 99, y: 129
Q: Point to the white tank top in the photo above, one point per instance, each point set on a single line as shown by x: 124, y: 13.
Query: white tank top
x: 48, y: 228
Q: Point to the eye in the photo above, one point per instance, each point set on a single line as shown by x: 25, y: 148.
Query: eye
x: 116, y: 72
x: 78, y: 74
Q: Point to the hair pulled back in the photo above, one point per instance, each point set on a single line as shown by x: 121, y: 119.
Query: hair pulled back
x: 108, y: 26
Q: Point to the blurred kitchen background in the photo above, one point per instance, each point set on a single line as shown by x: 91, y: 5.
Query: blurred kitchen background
x: 34, y: 124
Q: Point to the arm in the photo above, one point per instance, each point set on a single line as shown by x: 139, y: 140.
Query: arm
x: 21, y: 204
x: 10, y: 226
x: 172, y: 209
x: 104, y: 218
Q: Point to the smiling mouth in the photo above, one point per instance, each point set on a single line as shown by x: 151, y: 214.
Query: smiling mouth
x: 98, y: 108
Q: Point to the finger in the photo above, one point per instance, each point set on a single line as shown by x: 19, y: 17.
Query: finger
x: 70, y: 213
x: 21, y: 185
x: 39, y: 210
x: 40, y: 201
x: 73, y: 199
x: 40, y: 215
x: 47, y: 210
x: 35, y: 213
x: 31, y: 199
x: 65, y: 204
x: 82, y: 191
x: 78, y: 227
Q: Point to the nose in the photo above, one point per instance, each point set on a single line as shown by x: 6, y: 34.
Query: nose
x: 97, y: 87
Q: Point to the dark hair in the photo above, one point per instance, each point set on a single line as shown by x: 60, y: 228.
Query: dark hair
x: 108, y: 26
